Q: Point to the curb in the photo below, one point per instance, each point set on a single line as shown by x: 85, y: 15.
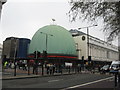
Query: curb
x: 38, y: 76
x: 34, y: 76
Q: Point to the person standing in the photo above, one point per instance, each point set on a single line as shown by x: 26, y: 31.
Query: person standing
x: 5, y: 64
x: 47, y: 69
x: 53, y: 68
x: 34, y: 68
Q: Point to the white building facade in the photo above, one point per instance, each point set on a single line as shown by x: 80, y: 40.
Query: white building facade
x: 1, y: 50
x: 98, y: 50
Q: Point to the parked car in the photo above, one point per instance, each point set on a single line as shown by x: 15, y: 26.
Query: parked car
x: 105, y: 69
x: 115, y: 66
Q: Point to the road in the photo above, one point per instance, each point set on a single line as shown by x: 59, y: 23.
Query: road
x: 62, y: 82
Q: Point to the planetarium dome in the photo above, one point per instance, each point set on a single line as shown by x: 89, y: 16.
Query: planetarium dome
x: 59, y: 41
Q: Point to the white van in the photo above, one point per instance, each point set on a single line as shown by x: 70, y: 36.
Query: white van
x: 115, y: 65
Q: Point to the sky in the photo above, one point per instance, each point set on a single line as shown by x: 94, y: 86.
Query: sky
x: 22, y: 18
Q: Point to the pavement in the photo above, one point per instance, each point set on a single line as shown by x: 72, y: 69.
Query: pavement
x: 8, y: 74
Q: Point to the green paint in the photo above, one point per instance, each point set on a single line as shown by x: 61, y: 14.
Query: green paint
x: 60, y: 43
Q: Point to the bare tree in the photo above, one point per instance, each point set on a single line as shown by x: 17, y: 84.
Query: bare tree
x: 92, y: 11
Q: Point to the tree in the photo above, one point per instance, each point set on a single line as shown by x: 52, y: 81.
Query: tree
x: 92, y: 11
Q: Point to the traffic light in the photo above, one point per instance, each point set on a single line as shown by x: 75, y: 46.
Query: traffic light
x: 35, y: 53
x: 38, y: 54
x: 44, y: 54
x: 89, y: 58
x: 82, y: 58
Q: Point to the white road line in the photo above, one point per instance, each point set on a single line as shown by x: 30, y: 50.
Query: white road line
x: 87, y: 83
x: 55, y: 80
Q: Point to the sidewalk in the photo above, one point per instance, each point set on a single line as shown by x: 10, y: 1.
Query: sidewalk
x: 9, y: 74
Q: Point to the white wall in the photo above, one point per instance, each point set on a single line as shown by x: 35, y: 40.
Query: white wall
x: 98, y: 49
x: 0, y: 50
x: 82, y: 46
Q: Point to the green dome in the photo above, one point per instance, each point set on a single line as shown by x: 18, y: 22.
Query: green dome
x: 61, y: 41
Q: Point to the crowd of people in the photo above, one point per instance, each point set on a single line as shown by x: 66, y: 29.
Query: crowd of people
x: 50, y: 67
x: 11, y: 64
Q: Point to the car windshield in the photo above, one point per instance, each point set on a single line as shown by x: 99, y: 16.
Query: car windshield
x: 115, y: 65
x: 106, y: 66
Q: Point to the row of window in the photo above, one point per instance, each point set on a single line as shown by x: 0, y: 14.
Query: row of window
x: 100, y: 52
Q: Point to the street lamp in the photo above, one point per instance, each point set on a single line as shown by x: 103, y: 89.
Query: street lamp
x: 87, y: 36
x: 119, y: 45
x: 15, y: 52
x: 46, y: 38
x: 46, y: 47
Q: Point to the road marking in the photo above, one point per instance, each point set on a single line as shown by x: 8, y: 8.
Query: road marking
x: 87, y: 83
x: 55, y: 80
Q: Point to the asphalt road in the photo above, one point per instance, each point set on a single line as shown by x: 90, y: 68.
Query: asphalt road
x: 62, y: 82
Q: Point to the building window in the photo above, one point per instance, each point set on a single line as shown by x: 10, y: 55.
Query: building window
x: 107, y: 54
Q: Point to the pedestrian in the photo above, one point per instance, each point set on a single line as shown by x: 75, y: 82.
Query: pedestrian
x: 78, y: 68
x: 9, y: 65
x: 20, y: 64
x: 99, y: 68
x: 5, y: 64
x: 60, y: 68
x: 24, y: 65
x: 53, y: 68
x: 47, y: 69
x: 34, y: 68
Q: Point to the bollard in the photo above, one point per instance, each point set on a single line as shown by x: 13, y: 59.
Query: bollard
x: 28, y: 70
x: 15, y: 64
x: 28, y: 67
x: 119, y: 79
x: 42, y: 70
x: 69, y: 70
x: 115, y: 79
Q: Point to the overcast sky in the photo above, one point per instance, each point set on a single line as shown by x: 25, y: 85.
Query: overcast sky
x: 22, y: 18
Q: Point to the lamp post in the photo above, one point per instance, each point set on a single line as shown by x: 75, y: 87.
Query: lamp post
x: 87, y: 36
x: 119, y: 57
x: 119, y: 45
x: 46, y: 47
x: 46, y: 38
x: 15, y: 57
